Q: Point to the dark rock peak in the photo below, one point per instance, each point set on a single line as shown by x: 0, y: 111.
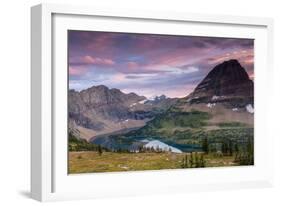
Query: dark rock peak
x: 103, y: 88
x: 157, y: 99
x: 160, y: 98
x: 132, y: 94
x: 226, y: 80
x: 230, y: 69
x: 163, y: 96
x: 96, y: 88
x: 114, y: 90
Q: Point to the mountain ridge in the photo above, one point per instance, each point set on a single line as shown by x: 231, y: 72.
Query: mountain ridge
x: 99, y: 109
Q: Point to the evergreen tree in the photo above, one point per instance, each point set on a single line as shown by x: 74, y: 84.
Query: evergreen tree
x: 246, y: 157
x: 141, y: 148
x: 202, y: 161
x: 250, y: 152
x: 99, y: 150
x: 230, y: 148
x: 197, y: 164
x: 205, y: 145
x: 224, y: 148
x: 191, y: 162
x: 236, y: 149
x: 185, y: 162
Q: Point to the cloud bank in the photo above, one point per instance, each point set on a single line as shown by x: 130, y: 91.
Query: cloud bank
x: 150, y: 64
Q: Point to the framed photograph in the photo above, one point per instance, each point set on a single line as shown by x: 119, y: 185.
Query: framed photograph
x: 137, y: 102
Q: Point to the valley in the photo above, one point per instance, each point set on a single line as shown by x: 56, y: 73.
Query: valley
x: 212, y: 126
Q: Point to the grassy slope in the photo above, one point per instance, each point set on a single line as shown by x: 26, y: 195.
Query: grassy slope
x: 175, y: 127
x: 87, y: 162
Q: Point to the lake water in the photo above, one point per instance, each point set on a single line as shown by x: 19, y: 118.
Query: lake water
x: 180, y: 147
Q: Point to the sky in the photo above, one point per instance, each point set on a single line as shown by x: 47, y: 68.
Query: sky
x: 150, y: 64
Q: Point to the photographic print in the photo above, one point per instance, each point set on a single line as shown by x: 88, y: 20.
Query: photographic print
x: 148, y: 102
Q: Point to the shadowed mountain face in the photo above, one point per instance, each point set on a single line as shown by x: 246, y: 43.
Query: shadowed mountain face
x: 227, y: 82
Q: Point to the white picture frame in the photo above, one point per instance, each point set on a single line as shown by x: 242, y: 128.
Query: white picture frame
x: 49, y: 178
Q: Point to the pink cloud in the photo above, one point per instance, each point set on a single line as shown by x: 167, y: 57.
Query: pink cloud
x: 249, y: 60
x: 252, y: 76
x: 117, y: 77
x: 77, y: 71
x: 180, y: 57
x: 102, y: 42
x: 88, y: 60
x: 96, y: 60
x: 163, y: 62
x: 132, y: 65
x: 245, y: 57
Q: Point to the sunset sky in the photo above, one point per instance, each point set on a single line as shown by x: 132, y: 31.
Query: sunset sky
x: 150, y: 64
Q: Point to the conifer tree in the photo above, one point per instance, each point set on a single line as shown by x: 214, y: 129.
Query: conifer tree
x: 230, y: 148
x: 99, y: 150
x: 205, y: 145
x: 202, y: 161
x: 191, y: 162
x: 196, y: 160
x: 185, y: 162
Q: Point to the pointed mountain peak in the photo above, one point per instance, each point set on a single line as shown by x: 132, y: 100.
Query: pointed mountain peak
x: 98, y: 87
x: 226, y: 80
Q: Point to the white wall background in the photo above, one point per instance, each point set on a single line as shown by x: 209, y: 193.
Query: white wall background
x: 15, y: 100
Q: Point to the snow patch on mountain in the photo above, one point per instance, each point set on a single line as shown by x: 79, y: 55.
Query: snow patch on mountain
x: 145, y: 140
x: 211, y: 105
x: 215, y: 97
x: 250, y: 108
x: 156, y: 99
x: 142, y: 101
x: 152, y: 98
x: 133, y: 104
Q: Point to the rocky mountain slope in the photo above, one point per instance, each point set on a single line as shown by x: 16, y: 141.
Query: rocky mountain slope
x: 99, y: 110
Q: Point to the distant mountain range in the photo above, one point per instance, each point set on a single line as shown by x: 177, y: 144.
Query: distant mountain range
x: 103, y: 116
x: 99, y: 110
